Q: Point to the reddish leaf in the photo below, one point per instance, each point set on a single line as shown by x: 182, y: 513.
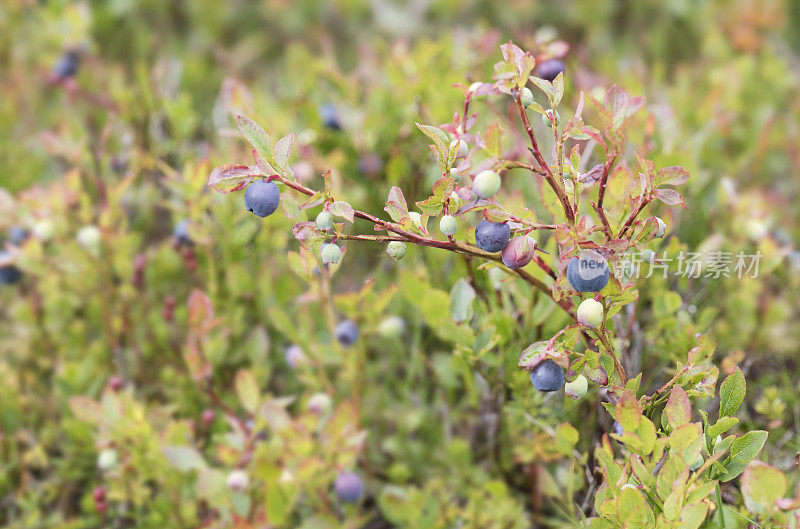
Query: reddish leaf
x: 669, y: 196
x: 232, y: 177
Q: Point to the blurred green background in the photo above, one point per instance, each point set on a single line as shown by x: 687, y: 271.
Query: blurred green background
x: 453, y: 434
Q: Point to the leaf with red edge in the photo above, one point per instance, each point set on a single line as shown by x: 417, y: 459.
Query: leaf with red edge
x: 201, y: 312
x: 283, y: 149
x: 342, y: 209
x: 232, y: 177
x: 672, y: 176
x: 670, y: 197
x: 255, y: 135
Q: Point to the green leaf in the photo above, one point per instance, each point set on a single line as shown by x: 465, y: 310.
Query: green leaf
x: 184, y: 458
x: 547, y: 87
x: 232, y: 177
x: 256, y: 136
x: 722, y: 425
x: 747, y: 447
x: 731, y: 393
x: 283, y: 149
x: 762, y: 485
x: 461, y: 297
x: 628, y: 411
x: 558, y: 88
x: 437, y: 135
x: 247, y: 389
x: 678, y: 409
x: 342, y: 209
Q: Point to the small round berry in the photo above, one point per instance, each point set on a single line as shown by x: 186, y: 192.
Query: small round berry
x: 347, y: 333
x: 526, y: 97
x: 17, y: 235
x: 697, y: 463
x: 67, y: 65
x: 295, y: 356
x: 330, y: 116
x: 416, y: 218
x: 448, y: 225
x: 549, y: 116
x: 648, y: 255
x: 577, y: 388
x: 99, y: 494
x: 590, y: 313
x: 9, y: 273
x: 396, y: 250
x: 324, y: 220
x: 473, y: 89
x: 319, y: 404
x: 547, y: 376
x: 90, y: 238
x: 101, y: 506
x: 392, y: 327
x: 486, y: 184
x: 107, y: 459
x: 588, y: 272
x: 238, y: 480
x: 208, y: 417
x: 617, y: 428
x: 550, y: 69
x: 463, y: 148
x: 262, y: 198
x: 519, y: 251
x: 331, y: 253
x: 44, y: 230
x: 492, y: 236
x: 116, y: 383
x: 181, y: 233
x: 349, y: 487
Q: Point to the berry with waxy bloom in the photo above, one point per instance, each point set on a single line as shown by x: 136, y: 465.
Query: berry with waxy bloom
x: 347, y: 333
x: 349, y: 487
x: 396, y: 250
x: 547, y: 376
x: 526, y: 97
x: 590, y: 313
x: 391, y: 327
x: 324, y: 220
x: 519, y: 251
x: 492, y: 236
x: 448, y: 225
x: 330, y: 253
x: 486, y: 183
x: 319, y: 404
x: 238, y: 480
x: 588, y: 272
x: 262, y: 198
x: 550, y: 69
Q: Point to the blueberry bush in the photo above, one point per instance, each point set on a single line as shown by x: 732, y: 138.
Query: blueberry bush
x: 367, y: 265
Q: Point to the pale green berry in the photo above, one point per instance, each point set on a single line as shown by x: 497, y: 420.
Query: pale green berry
x: 526, y: 97
x: 648, y: 255
x: 331, y: 253
x: 548, y: 116
x: 238, y: 480
x: 44, y: 230
x: 473, y: 88
x: 90, y: 238
x: 590, y: 313
x: 486, y: 184
x: 391, y: 327
x: 107, y: 459
x: 661, y: 227
x: 577, y: 388
x: 448, y: 225
x: 396, y: 250
x: 697, y: 463
x: 324, y: 220
x: 319, y: 404
x: 416, y: 218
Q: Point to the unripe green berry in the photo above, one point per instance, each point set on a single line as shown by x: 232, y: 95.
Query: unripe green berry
x: 319, y: 404
x: 577, y: 388
x: 526, y: 97
x: 107, y: 459
x: 661, y: 227
x: 473, y: 88
x: 396, y: 250
x: 448, y: 225
x: 547, y: 118
x: 416, y: 218
x: 90, y: 238
x: 324, y: 220
x: 392, y: 327
x: 455, y: 175
x: 331, y: 253
x: 486, y: 184
x: 648, y: 255
x: 697, y: 463
x: 590, y: 313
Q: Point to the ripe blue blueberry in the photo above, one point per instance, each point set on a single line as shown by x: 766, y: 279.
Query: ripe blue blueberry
x: 486, y: 184
x: 181, y: 233
x: 347, y: 333
x: 349, y: 487
x: 9, y: 274
x: 587, y: 273
x: 67, y: 65
x: 491, y: 236
x: 617, y: 428
x: 519, y: 251
x: 262, y: 198
x: 547, y: 376
x: 448, y: 225
x: 330, y: 116
x: 295, y: 356
x: 550, y: 69
x: 17, y: 235
x: 330, y: 253
x: 324, y: 220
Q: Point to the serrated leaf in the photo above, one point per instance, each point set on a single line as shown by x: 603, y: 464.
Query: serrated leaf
x: 342, y: 209
x: 232, y: 177
x: 256, y: 136
x: 283, y: 149
x: 747, y: 447
x: 731, y: 393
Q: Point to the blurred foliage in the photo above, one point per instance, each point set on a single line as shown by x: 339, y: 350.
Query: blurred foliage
x: 444, y: 428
